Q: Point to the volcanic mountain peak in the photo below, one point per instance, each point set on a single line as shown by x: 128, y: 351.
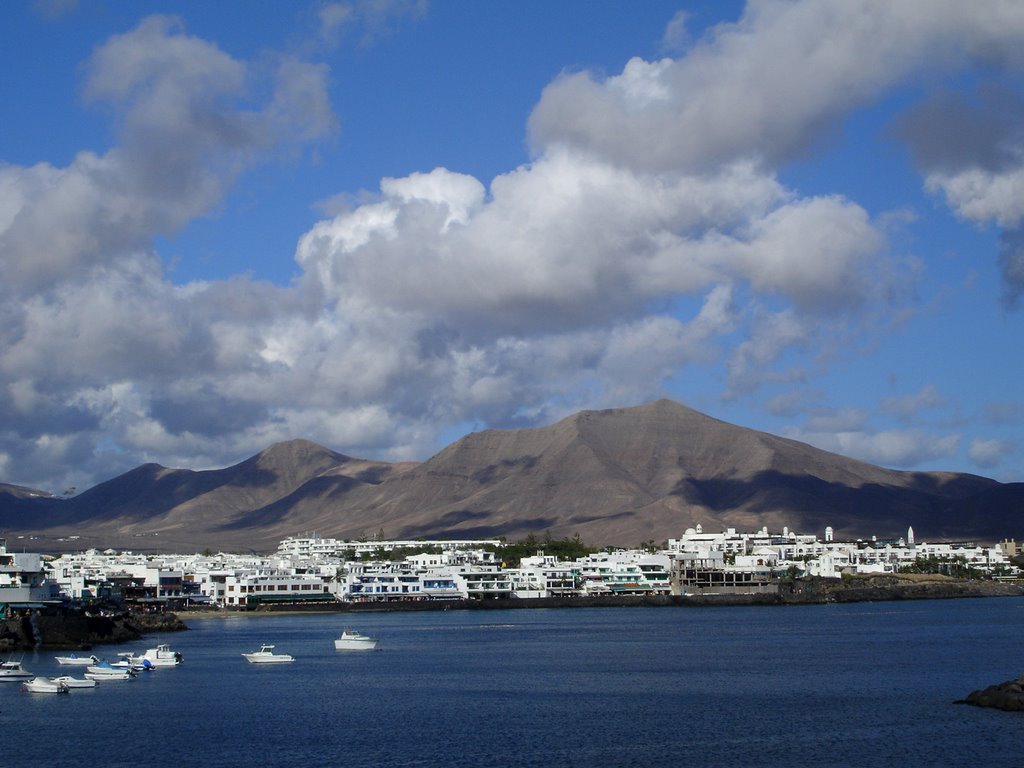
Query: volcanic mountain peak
x: 298, y: 451
x: 286, y: 463
x: 617, y: 476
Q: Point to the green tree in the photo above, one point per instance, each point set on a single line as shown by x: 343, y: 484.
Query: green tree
x: 564, y: 549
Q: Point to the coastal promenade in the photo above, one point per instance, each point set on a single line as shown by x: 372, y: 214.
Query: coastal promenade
x: 807, y: 591
x: 81, y: 632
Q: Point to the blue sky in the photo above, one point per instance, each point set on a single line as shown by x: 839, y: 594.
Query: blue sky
x: 381, y: 225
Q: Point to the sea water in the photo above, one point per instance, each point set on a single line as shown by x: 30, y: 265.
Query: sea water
x: 870, y: 684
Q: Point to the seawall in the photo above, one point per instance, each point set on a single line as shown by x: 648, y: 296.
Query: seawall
x: 810, y: 591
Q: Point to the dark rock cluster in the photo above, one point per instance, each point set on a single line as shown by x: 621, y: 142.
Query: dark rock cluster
x: 1008, y: 696
x: 76, y: 630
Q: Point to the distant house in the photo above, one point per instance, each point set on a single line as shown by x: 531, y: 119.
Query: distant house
x: 23, y: 582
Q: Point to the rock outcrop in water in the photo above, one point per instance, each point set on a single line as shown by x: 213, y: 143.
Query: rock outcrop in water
x: 1007, y: 696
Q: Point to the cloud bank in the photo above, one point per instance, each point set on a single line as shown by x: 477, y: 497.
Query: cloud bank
x: 648, y: 234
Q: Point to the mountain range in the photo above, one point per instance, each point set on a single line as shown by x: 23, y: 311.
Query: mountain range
x: 614, y: 477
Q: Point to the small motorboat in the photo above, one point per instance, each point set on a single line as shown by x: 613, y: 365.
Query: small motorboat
x: 133, y: 662
x: 163, y: 656
x: 75, y: 660
x: 44, y: 685
x: 106, y: 671
x: 117, y: 674
x: 351, y: 640
x: 74, y: 682
x: 12, y: 672
x: 266, y: 655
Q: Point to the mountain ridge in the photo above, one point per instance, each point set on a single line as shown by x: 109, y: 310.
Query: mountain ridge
x: 615, y: 477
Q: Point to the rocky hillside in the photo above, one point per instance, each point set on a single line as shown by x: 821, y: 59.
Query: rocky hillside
x: 619, y: 476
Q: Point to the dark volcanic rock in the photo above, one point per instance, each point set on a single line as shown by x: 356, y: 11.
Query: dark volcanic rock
x: 1007, y: 696
x: 881, y: 587
x: 78, y: 631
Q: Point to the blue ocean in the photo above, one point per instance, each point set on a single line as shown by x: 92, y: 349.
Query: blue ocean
x: 869, y: 684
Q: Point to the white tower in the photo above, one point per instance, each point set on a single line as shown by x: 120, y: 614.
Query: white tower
x: 828, y: 533
x: 910, y: 536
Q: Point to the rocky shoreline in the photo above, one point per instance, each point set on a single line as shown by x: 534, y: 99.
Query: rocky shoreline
x: 874, y: 588
x: 77, y: 631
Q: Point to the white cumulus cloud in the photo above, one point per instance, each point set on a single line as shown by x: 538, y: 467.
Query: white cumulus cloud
x: 649, y: 233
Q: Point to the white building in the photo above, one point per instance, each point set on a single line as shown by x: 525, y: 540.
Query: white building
x: 241, y: 590
x: 23, y: 579
x: 624, y: 572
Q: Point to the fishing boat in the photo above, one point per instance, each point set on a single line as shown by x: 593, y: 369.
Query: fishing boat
x: 74, y: 682
x: 44, y: 685
x: 105, y: 671
x: 12, y: 672
x: 132, y: 662
x: 74, y: 660
x: 117, y: 674
x: 163, y: 656
x: 351, y: 640
x: 266, y: 655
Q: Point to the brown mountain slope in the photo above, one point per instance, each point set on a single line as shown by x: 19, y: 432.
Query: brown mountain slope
x: 619, y: 476
x: 153, y: 507
x: 21, y: 492
x: 626, y: 475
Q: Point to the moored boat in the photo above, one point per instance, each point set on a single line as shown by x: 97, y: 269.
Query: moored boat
x: 266, y: 655
x: 105, y: 671
x: 351, y: 640
x: 74, y: 660
x: 132, y: 662
x: 117, y: 674
x: 44, y: 685
x: 163, y: 656
x: 12, y: 672
x: 74, y: 682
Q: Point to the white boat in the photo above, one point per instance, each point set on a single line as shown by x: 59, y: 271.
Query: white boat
x: 132, y: 662
x: 12, y: 672
x: 110, y: 674
x: 106, y: 671
x: 76, y: 661
x: 44, y: 685
x: 163, y: 656
x: 74, y: 682
x: 351, y: 640
x: 266, y: 655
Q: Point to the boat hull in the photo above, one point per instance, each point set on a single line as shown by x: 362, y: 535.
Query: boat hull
x: 268, y: 658
x: 162, y: 656
x: 74, y: 682
x: 119, y: 674
x: 16, y: 677
x: 353, y: 641
x: 355, y: 645
x: 13, y: 672
x: 42, y: 685
x: 108, y: 673
x: 76, y: 661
